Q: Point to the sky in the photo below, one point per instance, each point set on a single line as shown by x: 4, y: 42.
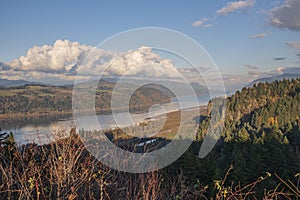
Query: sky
x: 245, y: 38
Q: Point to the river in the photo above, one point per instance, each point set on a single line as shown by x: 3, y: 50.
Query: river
x: 41, y: 129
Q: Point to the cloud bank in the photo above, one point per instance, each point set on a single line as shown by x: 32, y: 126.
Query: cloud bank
x: 256, y: 73
x: 65, y: 59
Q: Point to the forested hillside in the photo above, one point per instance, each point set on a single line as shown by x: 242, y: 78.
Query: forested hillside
x: 36, y: 100
x: 265, y: 109
x: 261, y: 136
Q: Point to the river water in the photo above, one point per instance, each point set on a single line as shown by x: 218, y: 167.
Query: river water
x: 40, y: 130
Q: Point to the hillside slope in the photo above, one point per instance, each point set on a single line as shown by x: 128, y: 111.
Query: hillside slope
x: 261, y: 135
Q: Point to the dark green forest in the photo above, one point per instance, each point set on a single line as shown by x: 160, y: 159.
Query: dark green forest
x: 261, y: 136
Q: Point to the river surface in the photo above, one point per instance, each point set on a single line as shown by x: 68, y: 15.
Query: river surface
x: 40, y: 130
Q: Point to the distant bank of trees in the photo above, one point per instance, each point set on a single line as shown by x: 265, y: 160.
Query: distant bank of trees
x: 27, y: 100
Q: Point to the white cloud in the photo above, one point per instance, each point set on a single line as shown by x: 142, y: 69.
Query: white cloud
x: 287, y: 15
x: 61, y: 57
x: 65, y: 59
x: 294, y: 45
x: 41, y: 77
x: 261, y: 35
x: 142, y: 62
x: 234, y: 6
x: 198, y: 23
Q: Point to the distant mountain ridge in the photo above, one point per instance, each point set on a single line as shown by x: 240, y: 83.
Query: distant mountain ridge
x: 273, y: 78
x: 8, y: 83
x: 108, y: 83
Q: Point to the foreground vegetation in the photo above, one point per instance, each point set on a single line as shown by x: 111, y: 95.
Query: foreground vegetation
x: 257, y: 157
x: 65, y: 170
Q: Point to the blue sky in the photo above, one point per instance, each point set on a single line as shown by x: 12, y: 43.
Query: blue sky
x: 225, y: 34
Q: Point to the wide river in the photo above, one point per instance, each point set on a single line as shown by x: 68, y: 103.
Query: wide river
x: 40, y: 129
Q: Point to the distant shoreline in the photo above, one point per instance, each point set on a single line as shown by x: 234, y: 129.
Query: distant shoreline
x: 33, y: 115
x: 65, y: 113
x: 53, y: 114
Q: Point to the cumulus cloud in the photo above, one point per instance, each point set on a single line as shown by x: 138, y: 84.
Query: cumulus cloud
x: 141, y: 62
x: 67, y: 60
x: 63, y: 56
x: 234, y: 6
x: 40, y: 77
x: 294, y: 45
x: 4, y: 66
x: 261, y: 35
x: 287, y: 15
